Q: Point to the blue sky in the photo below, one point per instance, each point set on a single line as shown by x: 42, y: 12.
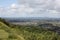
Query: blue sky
x: 5, y: 3
x: 30, y: 8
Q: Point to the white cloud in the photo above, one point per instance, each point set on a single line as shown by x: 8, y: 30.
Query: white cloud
x: 43, y: 8
x: 13, y: 6
x: 32, y: 8
x: 16, y: 10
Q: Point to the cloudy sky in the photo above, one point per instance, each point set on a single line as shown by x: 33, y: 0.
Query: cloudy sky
x: 30, y: 8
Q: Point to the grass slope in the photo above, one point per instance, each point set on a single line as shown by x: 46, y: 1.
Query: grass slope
x: 16, y: 32
x: 7, y: 32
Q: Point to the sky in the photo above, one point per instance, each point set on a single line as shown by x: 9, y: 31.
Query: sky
x: 30, y: 8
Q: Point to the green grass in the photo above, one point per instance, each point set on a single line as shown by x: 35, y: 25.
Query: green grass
x: 26, y: 33
x: 3, y: 34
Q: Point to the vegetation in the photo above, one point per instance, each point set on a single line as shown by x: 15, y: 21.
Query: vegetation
x: 25, y: 32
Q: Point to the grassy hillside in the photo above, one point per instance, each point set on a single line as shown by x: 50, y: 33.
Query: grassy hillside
x: 26, y: 32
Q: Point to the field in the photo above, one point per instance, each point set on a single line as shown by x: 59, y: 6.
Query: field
x: 29, y: 32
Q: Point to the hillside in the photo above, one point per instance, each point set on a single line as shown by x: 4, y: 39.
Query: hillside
x: 26, y: 32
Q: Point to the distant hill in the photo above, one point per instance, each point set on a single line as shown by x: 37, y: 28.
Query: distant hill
x: 29, y: 19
